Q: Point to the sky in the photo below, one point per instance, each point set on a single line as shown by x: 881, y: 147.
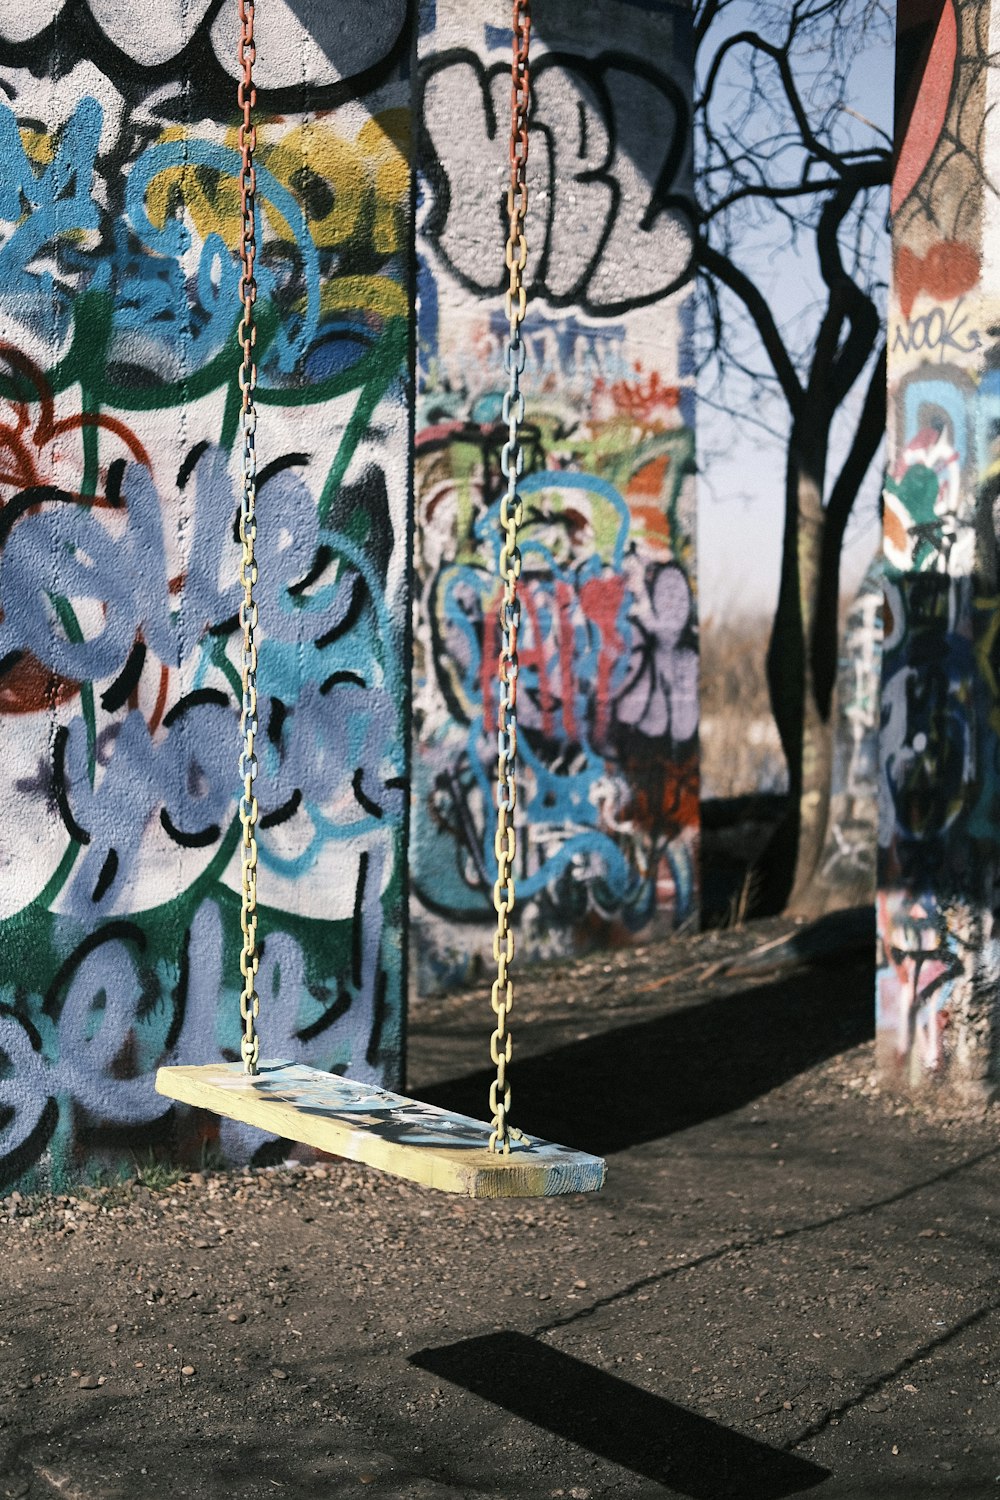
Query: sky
x: 741, y: 478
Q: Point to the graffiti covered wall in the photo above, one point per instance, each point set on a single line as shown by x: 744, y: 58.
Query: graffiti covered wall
x: 939, y: 835
x: 119, y: 689
x: 847, y: 868
x: 607, y: 698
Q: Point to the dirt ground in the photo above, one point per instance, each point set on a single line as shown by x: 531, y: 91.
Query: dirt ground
x: 788, y: 1285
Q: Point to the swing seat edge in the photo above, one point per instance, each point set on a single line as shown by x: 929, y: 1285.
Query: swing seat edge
x: 364, y: 1123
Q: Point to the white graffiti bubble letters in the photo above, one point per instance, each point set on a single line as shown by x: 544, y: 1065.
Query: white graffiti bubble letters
x: 612, y: 185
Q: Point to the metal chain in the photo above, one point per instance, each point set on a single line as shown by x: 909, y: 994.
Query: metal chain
x: 249, y: 1002
x: 511, y: 511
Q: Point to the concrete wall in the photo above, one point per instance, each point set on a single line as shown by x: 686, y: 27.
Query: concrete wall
x: 608, y: 661
x: 847, y: 873
x: 940, y: 752
x: 118, y: 490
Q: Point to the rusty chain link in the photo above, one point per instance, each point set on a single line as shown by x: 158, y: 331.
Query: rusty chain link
x: 511, y: 510
x: 247, y: 96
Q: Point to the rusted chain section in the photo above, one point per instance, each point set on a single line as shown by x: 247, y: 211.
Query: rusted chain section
x: 511, y: 463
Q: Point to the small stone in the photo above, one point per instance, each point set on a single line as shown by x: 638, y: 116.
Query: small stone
x: 187, y: 1369
x: 366, y: 1478
x: 237, y: 1317
x: 895, y: 1448
x: 279, y: 1374
x: 112, y: 1327
x: 927, y: 1234
x: 88, y: 1382
x: 581, y: 1286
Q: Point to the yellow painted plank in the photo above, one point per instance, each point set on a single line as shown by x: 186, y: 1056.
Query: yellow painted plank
x: 368, y: 1124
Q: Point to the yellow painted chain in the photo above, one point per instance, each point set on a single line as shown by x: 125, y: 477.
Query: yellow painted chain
x: 511, y: 512
x: 249, y: 1002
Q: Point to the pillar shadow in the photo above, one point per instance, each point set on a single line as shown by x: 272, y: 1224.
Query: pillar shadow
x: 637, y: 1083
x: 619, y: 1422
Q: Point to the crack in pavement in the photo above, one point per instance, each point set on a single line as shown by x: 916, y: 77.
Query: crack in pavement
x: 733, y: 1247
x: 879, y: 1382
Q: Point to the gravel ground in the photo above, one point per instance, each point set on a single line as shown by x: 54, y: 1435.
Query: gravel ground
x: 789, y: 1284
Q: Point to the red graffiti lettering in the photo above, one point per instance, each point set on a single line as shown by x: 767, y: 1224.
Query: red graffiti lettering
x: 948, y: 270
x: 601, y: 602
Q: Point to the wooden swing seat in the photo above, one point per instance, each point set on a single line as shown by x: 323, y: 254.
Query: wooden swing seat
x: 364, y: 1123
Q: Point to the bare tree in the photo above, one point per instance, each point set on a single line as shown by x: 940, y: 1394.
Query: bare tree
x: 786, y: 163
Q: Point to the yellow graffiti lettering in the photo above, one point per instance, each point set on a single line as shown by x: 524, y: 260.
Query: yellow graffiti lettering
x: 39, y: 146
x: 351, y: 192
x: 210, y: 198
x: 373, y: 295
x: 385, y: 144
x: 327, y: 175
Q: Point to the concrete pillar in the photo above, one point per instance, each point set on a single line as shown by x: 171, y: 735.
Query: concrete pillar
x: 119, y: 462
x: 608, y: 685
x: 939, y: 837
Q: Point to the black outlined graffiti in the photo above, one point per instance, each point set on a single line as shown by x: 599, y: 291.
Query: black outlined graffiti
x: 331, y: 51
x: 610, y: 152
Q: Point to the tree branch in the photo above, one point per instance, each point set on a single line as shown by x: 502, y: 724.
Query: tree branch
x: 837, y: 362
x: 769, y: 194
x: 705, y: 13
x: 779, y: 56
x: 756, y: 304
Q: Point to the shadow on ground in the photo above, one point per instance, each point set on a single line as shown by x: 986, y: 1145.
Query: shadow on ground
x: 620, y: 1088
x: 618, y: 1421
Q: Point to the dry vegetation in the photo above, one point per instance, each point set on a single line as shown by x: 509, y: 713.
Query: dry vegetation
x: 740, y: 750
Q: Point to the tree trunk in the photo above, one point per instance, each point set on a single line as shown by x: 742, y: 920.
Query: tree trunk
x: 806, y: 732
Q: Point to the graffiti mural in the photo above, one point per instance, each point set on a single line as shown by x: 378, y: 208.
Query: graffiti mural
x: 119, y: 688
x: 848, y: 864
x: 939, y: 794
x: 608, y: 646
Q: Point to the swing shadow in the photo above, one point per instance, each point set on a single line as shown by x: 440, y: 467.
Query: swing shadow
x: 619, y: 1422
x: 694, y: 1063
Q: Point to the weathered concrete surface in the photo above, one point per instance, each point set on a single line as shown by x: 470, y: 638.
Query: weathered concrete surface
x: 120, y: 457
x: 608, y: 697
x: 847, y: 872
x: 939, y: 833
